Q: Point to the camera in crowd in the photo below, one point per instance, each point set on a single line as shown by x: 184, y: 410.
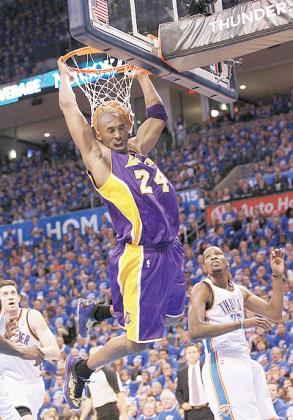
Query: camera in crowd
x: 199, y: 7
x: 205, y: 7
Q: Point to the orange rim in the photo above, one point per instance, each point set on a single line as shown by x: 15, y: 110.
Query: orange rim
x: 88, y: 50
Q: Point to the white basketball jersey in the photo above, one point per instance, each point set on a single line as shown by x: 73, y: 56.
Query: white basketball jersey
x: 14, y: 366
x: 101, y: 391
x: 2, y: 324
x: 227, y: 306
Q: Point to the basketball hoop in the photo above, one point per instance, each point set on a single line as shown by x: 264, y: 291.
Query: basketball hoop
x: 106, y: 82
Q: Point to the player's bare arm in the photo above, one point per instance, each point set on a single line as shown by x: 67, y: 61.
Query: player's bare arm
x: 122, y: 404
x: 87, y: 407
x: 41, y: 330
x: 198, y: 327
x: 149, y: 132
x: 273, y: 309
x: 26, y: 353
x: 91, y: 150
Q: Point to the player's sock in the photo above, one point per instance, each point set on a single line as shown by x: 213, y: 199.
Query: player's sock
x: 82, y: 370
x: 102, y: 312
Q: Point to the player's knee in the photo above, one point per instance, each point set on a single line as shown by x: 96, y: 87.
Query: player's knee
x: 173, y: 321
x: 133, y: 347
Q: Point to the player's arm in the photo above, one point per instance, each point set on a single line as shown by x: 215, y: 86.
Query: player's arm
x: 117, y: 386
x: 86, y: 409
x: 198, y: 327
x: 273, y: 309
x: 26, y: 353
x: 115, y: 383
x: 77, y: 124
x: 121, y: 400
x: 149, y: 132
x: 41, y: 330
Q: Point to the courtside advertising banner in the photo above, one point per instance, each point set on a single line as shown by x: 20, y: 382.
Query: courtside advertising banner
x: 199, y: 41
x: 56, y: 227
x: 266, y: 204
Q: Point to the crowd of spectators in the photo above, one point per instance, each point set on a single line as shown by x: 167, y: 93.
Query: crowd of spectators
x: 201, y: 161
x: 44, y: 185
x: 54, y: 274
x: 210, y: 152
x: 45, y: 25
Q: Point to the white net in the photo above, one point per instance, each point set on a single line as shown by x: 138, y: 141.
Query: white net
x: 106, y: 82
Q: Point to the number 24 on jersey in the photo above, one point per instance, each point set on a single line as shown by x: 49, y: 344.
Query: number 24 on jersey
x: 159, y: 179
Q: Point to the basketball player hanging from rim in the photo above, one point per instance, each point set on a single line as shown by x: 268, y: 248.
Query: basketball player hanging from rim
x: 235, y: 384
x: 147, y: 281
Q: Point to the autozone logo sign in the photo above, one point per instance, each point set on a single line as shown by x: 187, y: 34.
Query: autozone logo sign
x: 266, y: 204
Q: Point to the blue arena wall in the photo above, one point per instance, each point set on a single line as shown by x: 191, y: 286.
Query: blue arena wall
x: 56, y: 227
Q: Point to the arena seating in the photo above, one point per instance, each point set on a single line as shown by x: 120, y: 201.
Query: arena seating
x: 201, y: 162
x: 52, y: 275
x: 45, y: 24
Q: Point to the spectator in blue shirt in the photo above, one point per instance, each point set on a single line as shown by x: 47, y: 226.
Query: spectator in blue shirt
x: 277, y: 359
x: 149, y: 411
x: 170, y: 410
x: 282, y: 338
x: 261, y: 350
x: 47, y: 404
x: 156, y: 389
x: 167, y: 379
x: 279, y: 405
x: 290, y: 397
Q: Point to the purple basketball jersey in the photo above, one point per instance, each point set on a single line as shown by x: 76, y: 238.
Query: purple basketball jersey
x: 141, y: 201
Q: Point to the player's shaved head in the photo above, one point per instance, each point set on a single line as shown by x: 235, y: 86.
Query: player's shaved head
x: 112, y: 108
x: 112, y: 129
x: 214, y: 261
x: 210, y: 249
x: 106, y: 118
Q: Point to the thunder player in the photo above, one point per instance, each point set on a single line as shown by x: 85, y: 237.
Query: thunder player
x: 7, y: 411
x: 235, y: 384
x: 146, y: 275
x: 21, y: 378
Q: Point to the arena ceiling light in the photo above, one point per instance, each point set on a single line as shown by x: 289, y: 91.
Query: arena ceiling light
x: 47, y: 135
x: 223, y: 107
x: 242, y: 87
x: 12, y: 154
x: 214, y: 113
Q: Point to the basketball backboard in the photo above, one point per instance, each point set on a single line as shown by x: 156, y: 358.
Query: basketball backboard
x: 127, y: 29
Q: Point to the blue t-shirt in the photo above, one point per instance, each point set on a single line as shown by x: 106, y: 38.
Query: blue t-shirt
x: 170, y: 415
x: 282, y: 340
x: 162, y: 379
x: 280, y: 407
